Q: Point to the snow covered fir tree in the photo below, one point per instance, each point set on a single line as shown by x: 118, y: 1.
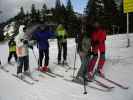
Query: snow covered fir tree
x: 65, y: 49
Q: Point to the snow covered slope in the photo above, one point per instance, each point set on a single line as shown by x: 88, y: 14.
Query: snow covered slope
x: 119, y: 67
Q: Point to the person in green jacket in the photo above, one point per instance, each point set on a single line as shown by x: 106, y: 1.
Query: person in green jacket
x: 12, y: 50
x: 61, y: 35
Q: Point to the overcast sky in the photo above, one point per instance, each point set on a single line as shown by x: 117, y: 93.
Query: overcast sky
x: 12, y: 7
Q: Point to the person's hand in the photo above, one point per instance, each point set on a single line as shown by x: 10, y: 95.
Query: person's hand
x: 82, y: 54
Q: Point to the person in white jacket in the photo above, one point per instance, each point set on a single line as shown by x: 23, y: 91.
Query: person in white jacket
x: 22, y: 51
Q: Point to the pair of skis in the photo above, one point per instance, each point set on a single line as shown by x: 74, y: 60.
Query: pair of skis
x: 2, y: 67
x: 101, y: 84
x: 50, y: 73
x: 115, y: 83
x: 23, y: 78
x: 66, y: 66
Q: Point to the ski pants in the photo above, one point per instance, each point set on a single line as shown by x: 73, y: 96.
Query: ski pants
x: 92, y: 63
x: 60, y: 47
x: 42, y: 53
x: 84, y: 62
x: 12, y: 54
x: 23, y: 61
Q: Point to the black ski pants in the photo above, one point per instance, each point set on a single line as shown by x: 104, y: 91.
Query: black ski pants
x: 42, y: 53
x: 62, y: 46
x: 23, y: 62
x: 11, y: 54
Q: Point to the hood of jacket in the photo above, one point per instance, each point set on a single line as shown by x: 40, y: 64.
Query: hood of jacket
x: 21, y: 33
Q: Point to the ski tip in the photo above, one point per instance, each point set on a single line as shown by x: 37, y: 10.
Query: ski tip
x: 126, y: 88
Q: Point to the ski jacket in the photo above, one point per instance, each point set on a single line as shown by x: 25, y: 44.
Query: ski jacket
x: 42, y: 38
x: 86, y: 45
x: 98, y: 38
x: 21, y: 47
x: 61, y: 33
x: 12, y: 46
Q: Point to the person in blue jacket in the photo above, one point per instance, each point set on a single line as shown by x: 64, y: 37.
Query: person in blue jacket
x: 42, y: 36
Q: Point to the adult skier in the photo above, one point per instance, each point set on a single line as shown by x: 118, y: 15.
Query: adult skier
x: 98, y: 38
x: 22, y: 51
x: 12, y: 50
x: 61, y: 35
x: 42, y: 35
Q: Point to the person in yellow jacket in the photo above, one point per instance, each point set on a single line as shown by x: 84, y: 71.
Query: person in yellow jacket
x: 61, y: 35
x: 12, y: 50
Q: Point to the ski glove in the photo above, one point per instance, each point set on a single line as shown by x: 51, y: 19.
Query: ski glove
x: 24, y: 41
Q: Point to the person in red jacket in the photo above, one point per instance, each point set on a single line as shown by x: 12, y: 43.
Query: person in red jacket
x: 98, y: 37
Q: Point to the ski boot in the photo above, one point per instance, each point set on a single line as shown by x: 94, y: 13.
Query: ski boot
x: 59, y: 62
x: 45, y: 69
x: 64, y: 62
x: 20, y: 75
x: 27, y: 73
x: 99, y: 72
x: 90, y: 77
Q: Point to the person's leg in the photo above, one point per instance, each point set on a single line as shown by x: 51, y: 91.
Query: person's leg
x: 85, y: 63
x: 20, y: 65
x: 45, y: 68
x: 41, y: 55
x: 10, y: 56
x: 26, y: 63
x: 101, y: 64
x: 91, y: 65
x: 65, y: 51
x: 59, y: 52
x: 46, y: 57
x: 15, y: 56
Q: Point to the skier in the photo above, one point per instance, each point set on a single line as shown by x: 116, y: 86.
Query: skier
x: 84, y: 50
x: 61, y: 35
x: 42, y: 36
x: 98, y: 38
x: 22, y: 52
x: 12, y: 50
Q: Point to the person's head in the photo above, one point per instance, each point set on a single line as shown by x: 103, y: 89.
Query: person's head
x: 96, y: 24
x: 47, y: 28
x: 60, y: 27
x: 24, y: 29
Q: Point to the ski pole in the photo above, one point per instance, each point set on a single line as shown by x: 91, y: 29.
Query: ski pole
x: 35, y: 58
x: 34, y: 55
x: 85, y: 92
x: 74, y: 62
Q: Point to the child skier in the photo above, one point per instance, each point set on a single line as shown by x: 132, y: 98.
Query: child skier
x: 12, y: 50
x: 84, y: 52
x: 98, y: 38
x: 22, y: 51
x: 42, y: 36
x: 62, y: 43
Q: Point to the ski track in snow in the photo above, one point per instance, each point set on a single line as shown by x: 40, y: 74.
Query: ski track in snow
x: 117, y: 67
